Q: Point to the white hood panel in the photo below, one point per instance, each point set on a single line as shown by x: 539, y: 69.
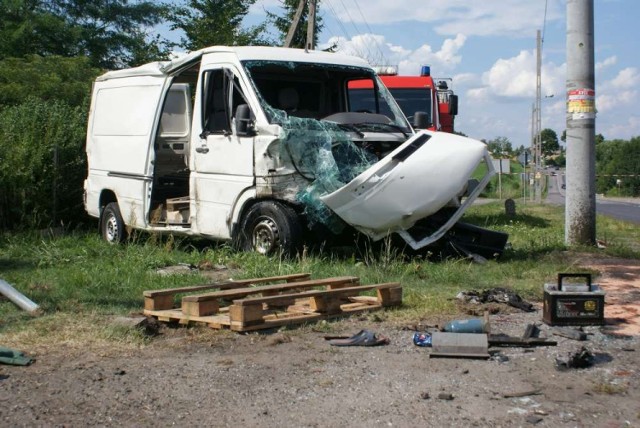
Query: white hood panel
x: 414, y: 181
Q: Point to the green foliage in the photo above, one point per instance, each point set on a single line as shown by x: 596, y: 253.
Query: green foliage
x: 500, y: 146
x: 111, y: 33
x: 48, y: 78
x: 549, y: 141
x: 216, y: 22
x: 283, y: 22
x: 42, y: 163
x: 618, y: 160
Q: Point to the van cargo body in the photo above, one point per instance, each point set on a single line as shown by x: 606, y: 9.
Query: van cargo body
x: 256, y: 145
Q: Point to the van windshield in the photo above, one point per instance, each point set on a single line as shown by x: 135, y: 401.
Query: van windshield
x: 317, y: 91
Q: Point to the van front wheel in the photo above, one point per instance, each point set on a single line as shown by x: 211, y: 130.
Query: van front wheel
x: 111, y: 224
x: 270, y: 227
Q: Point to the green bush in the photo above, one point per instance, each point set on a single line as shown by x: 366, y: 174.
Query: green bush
x: 42, y: 163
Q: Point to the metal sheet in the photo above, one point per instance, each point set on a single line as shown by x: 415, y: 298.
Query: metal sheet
x: 459, y: 345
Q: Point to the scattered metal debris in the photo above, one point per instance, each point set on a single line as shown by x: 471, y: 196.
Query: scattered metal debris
x: 445, y: 396
x: 570, y: 333
x: 18, y: 298
x: 459, y: 345
x: 581, y: 359
x: 497, y: 295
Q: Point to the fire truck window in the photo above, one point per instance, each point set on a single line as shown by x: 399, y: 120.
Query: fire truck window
x: 412, y: 100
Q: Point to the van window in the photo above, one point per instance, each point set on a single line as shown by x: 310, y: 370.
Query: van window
x: 175, y: 119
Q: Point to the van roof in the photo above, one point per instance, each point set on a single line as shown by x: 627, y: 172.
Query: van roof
x: 162, y: 68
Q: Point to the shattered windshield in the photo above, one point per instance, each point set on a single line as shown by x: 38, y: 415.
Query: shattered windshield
x: 317, y: 91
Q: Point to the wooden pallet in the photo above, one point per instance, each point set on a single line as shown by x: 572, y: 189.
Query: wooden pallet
x: 291, y: 299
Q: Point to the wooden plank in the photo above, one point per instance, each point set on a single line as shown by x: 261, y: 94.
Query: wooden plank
x: 158, y: 303
x: 200, y: 309
x: 243, y: 292
x: 227, y: 284
x: 325, y: 304
x: 339, y: 292
x: 246, y: 315
x: 391, y: 296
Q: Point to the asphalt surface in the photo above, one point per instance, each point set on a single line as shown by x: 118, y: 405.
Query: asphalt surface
x: 626, y: 209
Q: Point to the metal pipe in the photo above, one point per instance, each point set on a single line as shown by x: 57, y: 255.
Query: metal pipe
x: 16, y: 297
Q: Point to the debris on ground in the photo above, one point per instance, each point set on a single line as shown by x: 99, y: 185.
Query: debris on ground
x: 445, y: 396
x: 459, y: 345
x: 495, y: 295
x: 529, y: 338
x: 14, y: 357
x: 474, y: 325
x: 422, y: 339
x: 581, y: 359
x: 362, y: 338
x: 570, y: 333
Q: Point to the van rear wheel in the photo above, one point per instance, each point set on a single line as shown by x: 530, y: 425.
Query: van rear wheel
x: 270, y: 227
x: 111, y: 224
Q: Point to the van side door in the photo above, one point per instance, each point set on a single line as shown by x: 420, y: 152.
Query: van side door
x: 222, y: 161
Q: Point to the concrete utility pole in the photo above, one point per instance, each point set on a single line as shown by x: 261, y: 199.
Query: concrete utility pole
x: 580, y: 210
x: 538, y: 119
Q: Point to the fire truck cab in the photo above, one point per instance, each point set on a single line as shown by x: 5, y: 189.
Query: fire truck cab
x: 426, y: 104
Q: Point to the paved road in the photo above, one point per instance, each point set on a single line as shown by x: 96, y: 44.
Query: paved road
x: 627, y: 209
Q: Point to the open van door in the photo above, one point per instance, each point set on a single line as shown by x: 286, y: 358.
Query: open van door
x: 123, y: 114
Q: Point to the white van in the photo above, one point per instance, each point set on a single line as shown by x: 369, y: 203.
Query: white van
x: 259, y: 144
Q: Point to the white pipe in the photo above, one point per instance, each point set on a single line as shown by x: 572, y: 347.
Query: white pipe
x: 16, y: 297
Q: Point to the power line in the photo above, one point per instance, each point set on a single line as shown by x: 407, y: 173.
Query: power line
x: 335, y: 15
x: 382, y: 56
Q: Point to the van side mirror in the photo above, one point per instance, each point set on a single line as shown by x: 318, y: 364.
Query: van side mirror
x: 421, y: 120
x: 453, y: 105
x: 243, y: 123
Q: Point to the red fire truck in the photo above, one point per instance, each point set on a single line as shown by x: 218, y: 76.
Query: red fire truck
x: 435, y: 104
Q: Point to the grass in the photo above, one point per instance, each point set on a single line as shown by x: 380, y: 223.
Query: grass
x: 80, y: 281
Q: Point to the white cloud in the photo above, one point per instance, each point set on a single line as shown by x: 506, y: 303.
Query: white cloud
x: 626, y: 78
x: 451, y: 17
x: 378, y: 51
x: 608, y: 62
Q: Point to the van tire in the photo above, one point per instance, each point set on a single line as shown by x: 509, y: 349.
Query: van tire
x: 269, y: 228
x: 111, y: 224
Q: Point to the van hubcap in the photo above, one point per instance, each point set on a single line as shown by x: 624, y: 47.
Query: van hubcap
x: 265, y: 236
x: 112, y: 228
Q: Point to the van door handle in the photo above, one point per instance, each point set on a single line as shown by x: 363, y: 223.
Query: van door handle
x: 202, y: 149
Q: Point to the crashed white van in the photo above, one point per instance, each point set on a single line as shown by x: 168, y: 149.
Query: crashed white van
x: 259, y: 145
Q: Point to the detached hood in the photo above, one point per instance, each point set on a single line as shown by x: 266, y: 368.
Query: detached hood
x: 413, y: 182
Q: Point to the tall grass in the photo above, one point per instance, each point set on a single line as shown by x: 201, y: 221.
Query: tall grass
x: 80, y: 276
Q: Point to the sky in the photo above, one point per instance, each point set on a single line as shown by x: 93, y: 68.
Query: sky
x: 488, y: 48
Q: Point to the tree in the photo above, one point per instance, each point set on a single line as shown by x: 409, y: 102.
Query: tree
x: 216, y: 22
x: 500, y: 146
x: 283, y: 22
x: 112, y: 33
x: 549, y: 142
x: 46, y: 78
